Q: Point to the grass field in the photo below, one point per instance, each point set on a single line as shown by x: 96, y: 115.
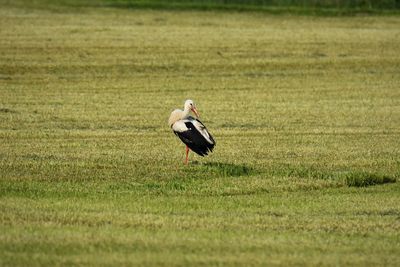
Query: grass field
x: 305, y: 111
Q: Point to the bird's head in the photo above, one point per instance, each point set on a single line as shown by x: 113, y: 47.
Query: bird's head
x: 189, y: 105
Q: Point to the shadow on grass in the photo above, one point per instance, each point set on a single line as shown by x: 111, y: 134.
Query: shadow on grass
x: 222, y: 169
x: 7, y: 110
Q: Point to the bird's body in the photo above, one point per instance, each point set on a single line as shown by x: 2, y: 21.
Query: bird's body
x: 191, y: 131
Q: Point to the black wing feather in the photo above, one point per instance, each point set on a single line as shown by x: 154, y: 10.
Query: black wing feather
x: 195, y: 140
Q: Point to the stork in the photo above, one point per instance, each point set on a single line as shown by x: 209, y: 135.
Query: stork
x: 191, y: 130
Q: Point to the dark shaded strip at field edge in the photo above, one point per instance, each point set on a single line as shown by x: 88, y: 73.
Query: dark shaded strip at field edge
x: 295, y: 7
x: 314, y: 8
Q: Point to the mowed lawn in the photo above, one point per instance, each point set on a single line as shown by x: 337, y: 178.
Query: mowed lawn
x: 304, y: 110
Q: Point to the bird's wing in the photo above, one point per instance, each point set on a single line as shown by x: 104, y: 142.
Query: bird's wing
x: 179, y: 126
x: 195, y: 135
x: 202, y: 130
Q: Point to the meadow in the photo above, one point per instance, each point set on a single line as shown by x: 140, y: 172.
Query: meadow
x: 305, y: 111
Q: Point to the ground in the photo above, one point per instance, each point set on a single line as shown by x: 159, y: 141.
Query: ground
x: 305, y: 111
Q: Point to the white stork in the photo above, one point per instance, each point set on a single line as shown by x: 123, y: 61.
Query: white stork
x: 191, y: 131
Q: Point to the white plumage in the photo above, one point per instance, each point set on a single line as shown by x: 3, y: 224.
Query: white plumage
x: 191, y: 130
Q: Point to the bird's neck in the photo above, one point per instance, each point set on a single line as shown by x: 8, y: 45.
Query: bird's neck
x: 185, y: 113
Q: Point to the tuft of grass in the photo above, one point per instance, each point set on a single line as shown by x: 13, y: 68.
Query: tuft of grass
x: 363, y: 179
x: 354, y: 178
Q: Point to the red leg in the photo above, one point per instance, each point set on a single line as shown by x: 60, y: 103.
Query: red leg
x: 187, y: 155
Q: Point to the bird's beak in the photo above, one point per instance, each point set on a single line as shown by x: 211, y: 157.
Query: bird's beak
x: 196, y: 112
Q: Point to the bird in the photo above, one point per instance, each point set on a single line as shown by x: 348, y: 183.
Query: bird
x: 192, y: 132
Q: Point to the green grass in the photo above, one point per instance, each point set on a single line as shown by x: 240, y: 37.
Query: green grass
x: 305, y: 112
x: 367, y: 179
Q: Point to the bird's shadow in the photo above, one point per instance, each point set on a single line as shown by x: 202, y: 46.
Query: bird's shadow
x: 221, y: 168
